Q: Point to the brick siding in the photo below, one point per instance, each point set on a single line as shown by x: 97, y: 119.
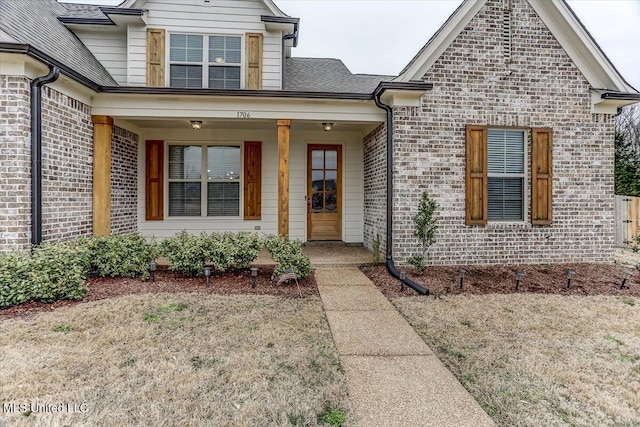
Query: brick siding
x: 375, y: 188
x: 124, y: 181
x: 15, y: 163
x: 67, y: 167
x: 541, y: 87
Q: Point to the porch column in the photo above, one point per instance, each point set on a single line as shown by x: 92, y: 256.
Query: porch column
x: 283, y: 177
x: 102, y: 130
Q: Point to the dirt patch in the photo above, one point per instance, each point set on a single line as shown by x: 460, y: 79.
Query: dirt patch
x: 232, y: 283
x: 590, y: 279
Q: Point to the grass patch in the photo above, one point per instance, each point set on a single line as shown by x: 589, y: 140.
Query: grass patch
x: 538, y: 359
x: 332, y: 417
x: 627, y: 300
x: 238, y: 360
x: 65, y: 329
x: 614, y: 339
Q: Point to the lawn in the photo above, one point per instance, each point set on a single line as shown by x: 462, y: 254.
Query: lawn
x: 539, y: 360
x: 174, y: 359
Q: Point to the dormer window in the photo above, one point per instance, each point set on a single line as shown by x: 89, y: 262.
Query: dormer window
x: 198, y: 59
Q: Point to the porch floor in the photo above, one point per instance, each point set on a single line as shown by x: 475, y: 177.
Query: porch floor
x: 328, y: 254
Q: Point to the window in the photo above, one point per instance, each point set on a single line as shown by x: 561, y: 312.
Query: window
x: 506, y: 174
x: 196, y: 59
x: 224, y: 62
x: 214, y: 193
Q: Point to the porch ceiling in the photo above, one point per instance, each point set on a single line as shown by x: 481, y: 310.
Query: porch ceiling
x: 296, y: 125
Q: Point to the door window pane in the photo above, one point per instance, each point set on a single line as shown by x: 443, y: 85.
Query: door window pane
x: 317, y: 178
x: 316, y: 202
x: 317, y: 159
x: 331, y: 159
x: 331, y: 181
x: 331, y: 203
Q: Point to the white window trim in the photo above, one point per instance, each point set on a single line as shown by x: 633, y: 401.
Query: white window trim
x: 203, y: 180
x: 525, y: 183
x: 205, y: 57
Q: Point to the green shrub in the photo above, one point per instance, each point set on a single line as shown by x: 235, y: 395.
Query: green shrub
x: 186, y: 253
x: 425, y: 230
x: 418, y: 263
x: 121, y: 256
x: 52, y: 272
x: 288, y: 253
x: 15, y: 287
x: 58, y: 271
x: 232, y: 250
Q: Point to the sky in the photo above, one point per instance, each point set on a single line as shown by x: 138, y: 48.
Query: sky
x: 381, y: 37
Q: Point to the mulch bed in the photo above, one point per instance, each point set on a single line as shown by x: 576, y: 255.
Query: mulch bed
x: 590, y: 279
x: 231, y: 283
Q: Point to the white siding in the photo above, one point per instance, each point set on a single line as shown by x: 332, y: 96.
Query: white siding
x: 110, y: 48
x: 352, y: 182
x: 232, y: 17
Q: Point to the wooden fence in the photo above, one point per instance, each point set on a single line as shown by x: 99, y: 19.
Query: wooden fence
x: 627, y: 219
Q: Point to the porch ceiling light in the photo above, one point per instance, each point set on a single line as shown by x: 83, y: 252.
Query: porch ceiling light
x: 196, y: 124
x: 328, y: 127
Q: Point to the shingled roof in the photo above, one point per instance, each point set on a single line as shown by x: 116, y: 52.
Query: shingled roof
x: 35, y: 22
x: 328, y: 75
x: 77, y: 10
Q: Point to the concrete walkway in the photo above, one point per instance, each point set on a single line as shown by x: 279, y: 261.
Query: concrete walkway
x: 393, y: 378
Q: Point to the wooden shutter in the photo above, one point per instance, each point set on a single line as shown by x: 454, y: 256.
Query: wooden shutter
x: 541, y: 176
x: 254, y: 61
x: 155, y: 57
x: 154, y: 176
x: 476, y: 176
x: 252, y: 180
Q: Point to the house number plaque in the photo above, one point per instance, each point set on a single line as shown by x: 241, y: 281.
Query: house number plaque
x: 243, y: 115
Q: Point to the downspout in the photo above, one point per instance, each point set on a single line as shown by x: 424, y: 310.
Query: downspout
x: 391, y: 268
x: 291, y: 36
x: 36, y: 151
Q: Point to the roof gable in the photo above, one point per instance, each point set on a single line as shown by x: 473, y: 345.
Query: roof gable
x: 36, y: 24
x: 268, y: 4
x: 559, y: 19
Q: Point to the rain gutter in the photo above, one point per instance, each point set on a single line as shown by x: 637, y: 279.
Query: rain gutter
x: 36, y: 151
x: 391, y: 268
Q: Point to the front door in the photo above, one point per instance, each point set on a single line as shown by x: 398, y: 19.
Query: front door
x: 324, y: 192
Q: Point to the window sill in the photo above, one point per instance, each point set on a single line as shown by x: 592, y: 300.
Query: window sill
x: 497, y: 225
x: 201, y: 218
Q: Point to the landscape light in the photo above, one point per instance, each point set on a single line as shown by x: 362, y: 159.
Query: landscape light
x: 625, y: 275
x: 207, y: 274
x: 519, y: 275
x: 403, y: 275
x: 570, y: 274
x: 254, y: 274
x: 152, y: 269
x: 462, y: 272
